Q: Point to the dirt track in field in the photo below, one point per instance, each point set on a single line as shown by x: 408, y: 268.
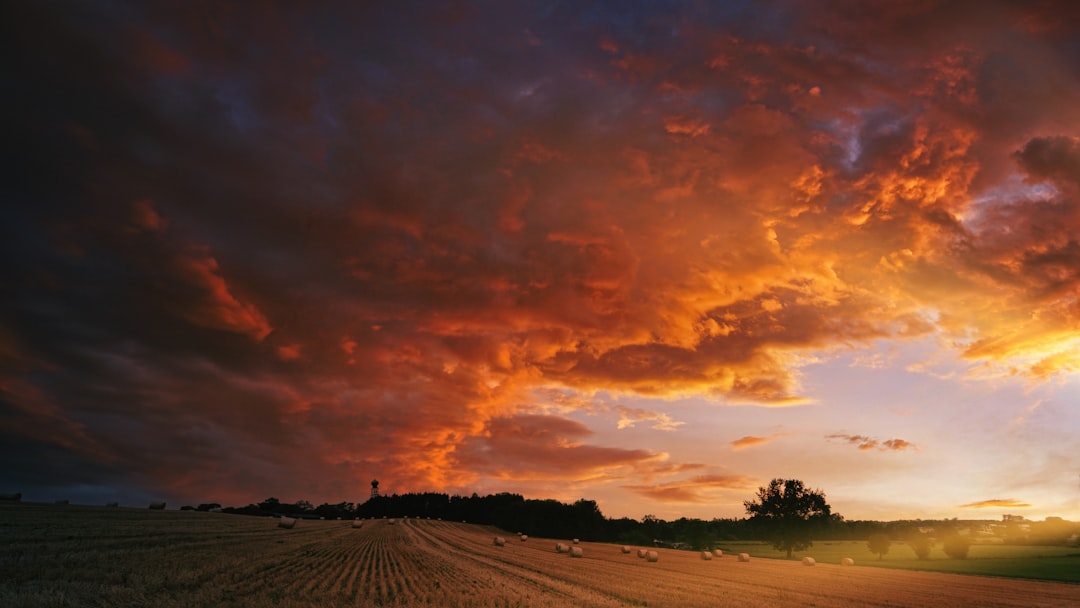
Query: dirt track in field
x: 128, y: 557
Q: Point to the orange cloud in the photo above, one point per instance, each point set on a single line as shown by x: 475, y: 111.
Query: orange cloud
x: 628, y: 417
x: 289, y: 352
x: 865, y: 443
x: 1007, y: 503
x: 506, y: 233
x: 218, y: 308
x: 693, y: 490
x: 751, y: 441
x: 543, y: 448
x: 146, y: 216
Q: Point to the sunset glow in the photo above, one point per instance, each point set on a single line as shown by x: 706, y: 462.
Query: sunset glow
x: 651, y: 257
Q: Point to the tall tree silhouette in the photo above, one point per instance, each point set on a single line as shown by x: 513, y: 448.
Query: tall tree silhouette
x: 787, y: 512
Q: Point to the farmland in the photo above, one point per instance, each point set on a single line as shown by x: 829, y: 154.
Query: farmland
x: 57, y: 555
x: 1058, y: 563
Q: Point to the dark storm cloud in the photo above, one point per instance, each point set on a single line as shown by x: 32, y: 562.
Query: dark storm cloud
x: 254, y: 246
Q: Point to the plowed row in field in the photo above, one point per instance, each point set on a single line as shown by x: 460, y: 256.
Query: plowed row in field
x: 82, y: 556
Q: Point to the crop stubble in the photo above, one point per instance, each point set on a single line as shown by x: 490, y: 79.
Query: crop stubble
x: 85, y: 556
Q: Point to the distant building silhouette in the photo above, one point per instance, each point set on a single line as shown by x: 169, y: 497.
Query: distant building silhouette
x: 374, y: 488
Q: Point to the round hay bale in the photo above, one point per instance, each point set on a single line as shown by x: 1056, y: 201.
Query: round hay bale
x: 498, y: 541
x: 625, y: 549
x: 524, y: 537
x: 705, y: 555
x: 561, y: 548
x: 576, y: 552
x: 808, y: 561
x: 358, y: 523
x: 744, y: 557
x: 642, y: 553
x: 718, y: 553
x: 575, y: 541
x: 286, y: 522
x: 652, y: 556
x: 158, y: 506
x: 847, y: 561
x: 391, y: 521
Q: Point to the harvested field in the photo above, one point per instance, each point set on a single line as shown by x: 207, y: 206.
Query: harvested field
x: 90, y: 556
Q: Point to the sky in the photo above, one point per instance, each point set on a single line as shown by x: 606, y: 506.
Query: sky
x: 652, y: 254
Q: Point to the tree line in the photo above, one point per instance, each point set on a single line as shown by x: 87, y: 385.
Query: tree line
x: 785, y: 512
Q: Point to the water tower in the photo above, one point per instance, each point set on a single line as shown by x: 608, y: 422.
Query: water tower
x: 374, y: 488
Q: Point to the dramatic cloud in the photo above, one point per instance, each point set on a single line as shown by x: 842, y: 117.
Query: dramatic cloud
x: 274, y: 250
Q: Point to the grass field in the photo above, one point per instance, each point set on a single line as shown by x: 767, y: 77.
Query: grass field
x: 1016, y: 561
x: 60, y: 556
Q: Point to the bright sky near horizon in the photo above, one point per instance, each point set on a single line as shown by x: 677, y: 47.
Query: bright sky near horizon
x: 652, y: 254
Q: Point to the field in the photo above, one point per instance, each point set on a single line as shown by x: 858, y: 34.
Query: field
x: 1016, y: 561
x: 88, y: 556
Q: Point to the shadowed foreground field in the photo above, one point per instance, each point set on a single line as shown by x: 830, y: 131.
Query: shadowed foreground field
x: 87, y: 556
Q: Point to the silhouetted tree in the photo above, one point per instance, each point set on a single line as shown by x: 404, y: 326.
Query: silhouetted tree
x: 270, y: 504
x: 879, y: 544
x: 787, y: 512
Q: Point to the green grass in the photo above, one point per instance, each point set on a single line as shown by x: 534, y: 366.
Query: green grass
x: 1051, y: 563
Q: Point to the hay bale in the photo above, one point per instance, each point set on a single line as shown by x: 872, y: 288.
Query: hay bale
x: 642, y: 553
x: 498, y: 541
x: 575, y: 541
x: 524, y: 537
x: 718, y: 553
x: 577, y: 552
x: 652, y: 556
x: 562, y: 548
x: 217, y: 510
x: 157, y: 506
x: 625, y: 549
x: 286, y: 522
x: 744, y: 557
x: 391, y: 521
x: 15, y: 497
x: 705, y: 555
x: 358, y: 523
x: 847, y: 561
x: 809, y: 561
